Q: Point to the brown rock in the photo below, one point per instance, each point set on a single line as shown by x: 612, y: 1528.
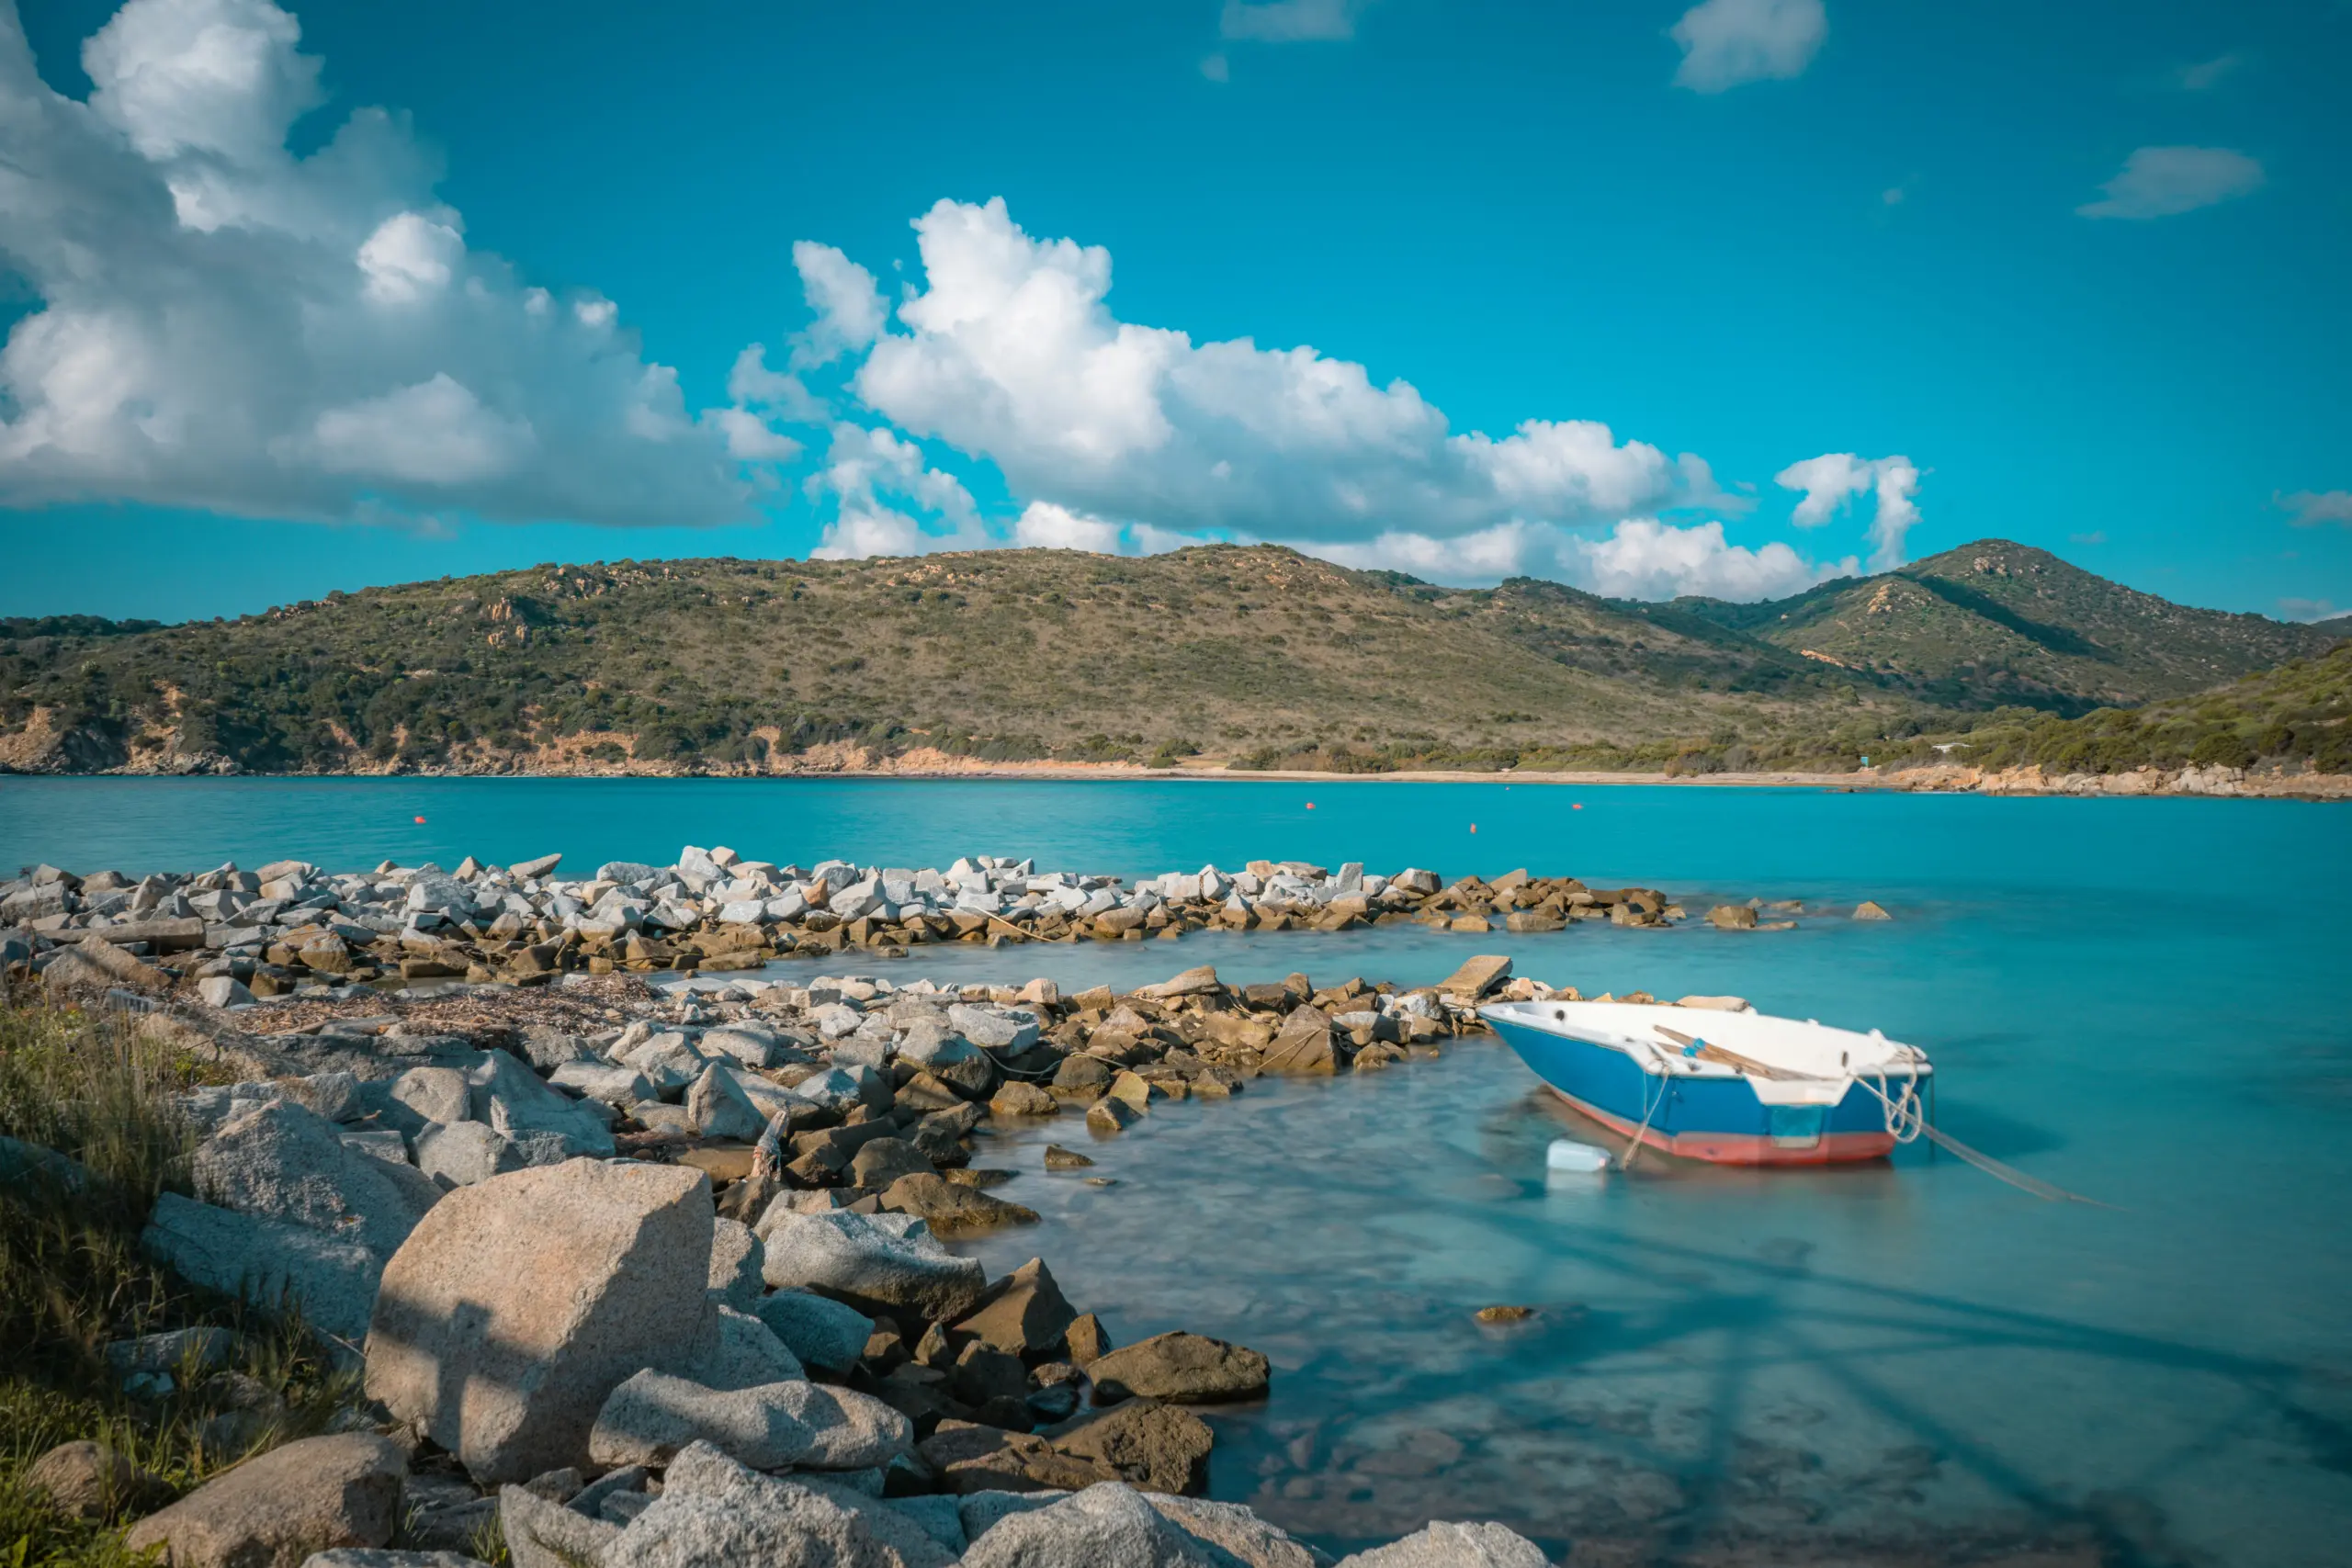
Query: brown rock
x: 1153, y: 1446
x: 1088, y: 1340
x: 1732, y: 918
x: 952, y: 1210
x: 985, y: 1459
x: 1493, y: 1314
x: 1189, y: 1368
x: 885, y: 1160
x: 1060, y: 1158
x: 1304, y: 1046
x: 1022, y: 1099
x: 1133, y: 1091
x: 90, y: 1481
x: 274, y: 1511
x: 518, y: 1304
x: 1107, y: 1115
x: 1476, y: 978
x: 1868, y: 910
x: 1024, y: 1313
x: 1201, y: 981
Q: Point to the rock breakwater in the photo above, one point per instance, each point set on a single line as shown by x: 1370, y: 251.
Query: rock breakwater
x: 234, y: 935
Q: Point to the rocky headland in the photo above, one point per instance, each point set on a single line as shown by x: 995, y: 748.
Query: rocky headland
x: 634, y: 1276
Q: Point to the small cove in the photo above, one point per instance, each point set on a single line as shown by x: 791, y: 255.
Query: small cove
x: 2137, y: 999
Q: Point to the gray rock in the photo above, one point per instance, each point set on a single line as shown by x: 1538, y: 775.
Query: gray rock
x: 30, y: 1164
x: 747, y: 1045
x: 994, y: 1029
x: 939, y: 1516
x: 465, y: 1153
x: 981, y: 1510
x: 875, y: 1268
x: 360, y: 1557
x: 740, y: 1351
x: 838, y: 1089
x: 737, y: 1256
x: 653, y: 1416
x: 714, y: 1511
x: 268, y: 1262
x: 437, y: 1095
x: 719, y: 1108
x: 198, y: 1349
x: 382, y: 1142
x: 540, y: 1534
x: 282, y: 1162
x: 612, y: 1086
x: 549, y: 1048
x: 1235, y: 1530
x: 1445, y: 1545
x: 518, y: 1102
x: 1106, y: 1526
x: 222, y: 991
x: 818, y: 1330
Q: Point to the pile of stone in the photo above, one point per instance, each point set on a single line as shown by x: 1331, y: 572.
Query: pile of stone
x: 287, y: 925
x: 591, y: 1315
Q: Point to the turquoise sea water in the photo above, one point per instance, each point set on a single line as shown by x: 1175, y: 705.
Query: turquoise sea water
x: 2140, y: 1001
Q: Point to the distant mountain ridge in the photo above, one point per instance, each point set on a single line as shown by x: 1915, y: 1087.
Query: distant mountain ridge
x: 1255, y: 654
x: 1997, y: 621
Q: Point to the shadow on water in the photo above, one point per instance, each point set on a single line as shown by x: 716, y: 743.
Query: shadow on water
x: 1724, y: 1367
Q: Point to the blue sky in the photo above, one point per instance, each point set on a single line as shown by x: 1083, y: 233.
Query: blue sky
x: 355, y: 294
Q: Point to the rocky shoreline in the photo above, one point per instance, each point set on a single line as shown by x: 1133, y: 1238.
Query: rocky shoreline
x: 232, y: 936
x: 841, y: 760
x: 646, y: 1277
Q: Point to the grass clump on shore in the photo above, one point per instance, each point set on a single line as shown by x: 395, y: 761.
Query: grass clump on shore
x: 87, y: 1104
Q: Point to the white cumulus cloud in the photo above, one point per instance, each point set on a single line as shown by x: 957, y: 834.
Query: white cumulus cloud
x: 1044, y: 525
x: 1289, y: 21
x: 219, y: 324
x: 1832, y: 480
x: 1727, y: 42
x: 1010, y: 353
x: 1641, y: 558
x: 2313, y: 507
x: 2160, y: 182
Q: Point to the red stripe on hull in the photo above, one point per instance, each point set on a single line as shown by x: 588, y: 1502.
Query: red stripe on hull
x: 1741, y: 1148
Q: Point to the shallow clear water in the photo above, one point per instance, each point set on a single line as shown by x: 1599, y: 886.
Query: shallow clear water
x: 2140, y: 1001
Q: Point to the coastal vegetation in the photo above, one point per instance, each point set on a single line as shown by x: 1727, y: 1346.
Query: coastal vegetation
x: 1249, y: 657
x: 90, y: 1136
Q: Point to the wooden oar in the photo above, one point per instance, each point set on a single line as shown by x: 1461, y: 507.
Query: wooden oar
x: 1707, y: 1052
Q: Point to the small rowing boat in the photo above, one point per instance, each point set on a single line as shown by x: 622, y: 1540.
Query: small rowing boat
x: 1731, y: 1088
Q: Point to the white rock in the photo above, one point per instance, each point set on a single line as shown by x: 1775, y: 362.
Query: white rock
x: 1106, y: 1526
x: 714, y: 1512
x: 653, y: 1416
x: 857, y: 1259
x: 1445, y: 1545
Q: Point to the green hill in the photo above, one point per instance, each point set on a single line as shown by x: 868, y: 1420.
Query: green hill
x: 1995, y: 622
x: 1255, y: 655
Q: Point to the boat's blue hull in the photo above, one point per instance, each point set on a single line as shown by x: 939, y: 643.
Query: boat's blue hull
x: 1716, y: 1119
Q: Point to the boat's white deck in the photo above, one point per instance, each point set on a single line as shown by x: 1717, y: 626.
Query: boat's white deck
x: 1829, y: 1058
